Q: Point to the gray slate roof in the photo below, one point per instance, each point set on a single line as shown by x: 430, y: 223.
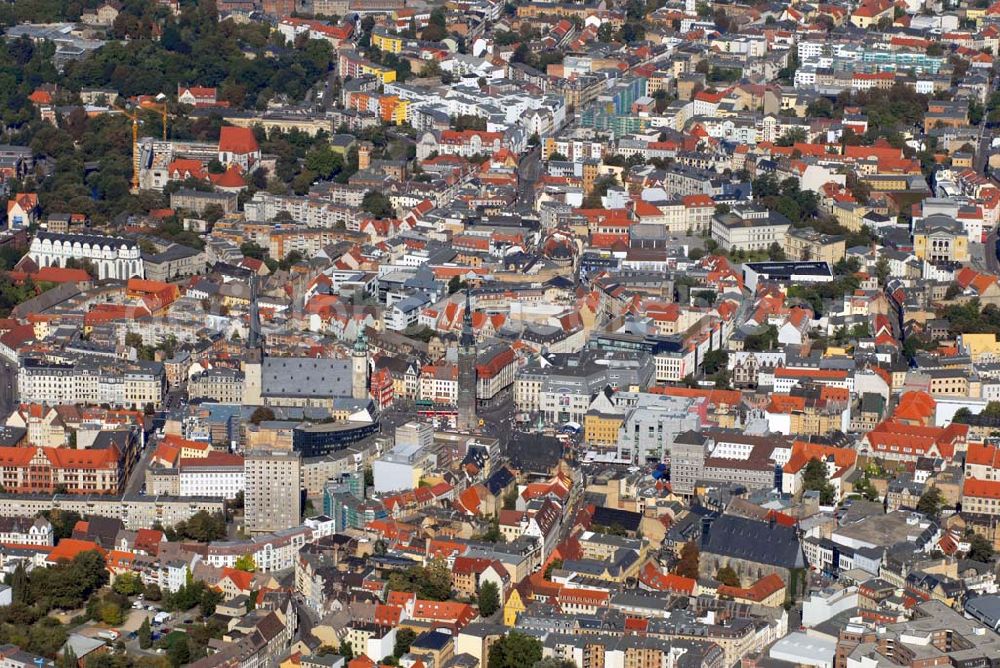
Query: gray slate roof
x: 750, y: 540
x: 306, y: 377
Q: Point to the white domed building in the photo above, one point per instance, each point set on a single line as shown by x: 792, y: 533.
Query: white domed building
x: 112, y: 257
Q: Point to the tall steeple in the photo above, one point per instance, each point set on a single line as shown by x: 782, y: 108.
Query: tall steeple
x: 468, y: 338
x: 359, y: 366
x: 253, y: 356
x: 254, y: 341
x: 467, y: 371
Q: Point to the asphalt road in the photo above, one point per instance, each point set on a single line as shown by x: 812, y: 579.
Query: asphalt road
x: 529, y: 169
x: 8, y: 388
x: 982, y: 148
x: 990, y: 251
x: 137, y: 478
x: 985, y: 137
x: 498, y: 420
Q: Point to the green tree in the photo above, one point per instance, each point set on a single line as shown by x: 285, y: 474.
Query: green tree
x: 551, y: 661
x: 721, y: 379
x: 68, y: 584
x: 515, y: 650
x: 68, y: 659
x: 814, y: 478
x: 436, y: 581
x: 555, y: 564
x: 792, y: 136
x: 600, y: 189
x: 207, y: 601
x: 110, y: 613
x: 992, y: 409
x: 153, y: 592
x: 930, y: 502
x: 145, y: 634
x: 377, y: 205
x: 687, y: 566
x: 323, y: 161
x: 715, y: 360
x: 404, y: 638
x: 882, y: 270
x: 728, y: 576
x: 261, y: 414
x: 202, y: 527
x: 128, y: 584
x: 489, y: 599
x: 19, y: 583
x: 178, y: 650
x: 245, y: 563
x: 492, y: 534
x: 765, y: 340
x: 62, y: 521
x: 980, y: 549
x: 253, y: 250
x: 866, y: 489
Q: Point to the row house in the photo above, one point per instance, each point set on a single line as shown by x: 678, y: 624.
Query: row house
x: 44, y: 470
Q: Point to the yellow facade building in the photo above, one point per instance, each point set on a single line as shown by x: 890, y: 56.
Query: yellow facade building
x: 940, y: 238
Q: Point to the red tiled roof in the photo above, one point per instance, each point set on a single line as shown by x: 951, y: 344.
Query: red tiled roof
x: 982, y: 489
x: 237, y: 140
x: 758, y: 591
x: 803, y: 452
x: 242, y: 580
x: 69, y: 548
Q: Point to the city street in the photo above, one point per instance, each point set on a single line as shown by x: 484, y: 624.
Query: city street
x: 137, y: 478
x: 528, y: 172
x: 990, y: 252
x: 8, y: 388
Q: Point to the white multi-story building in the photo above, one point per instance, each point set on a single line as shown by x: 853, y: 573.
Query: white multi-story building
x: 219, y: 474
x: 439, y: 383
x: 25, y: 531
x: 91, y: 382
x: 271, y: 552
x: 749, y: 229
x: 111, y: 257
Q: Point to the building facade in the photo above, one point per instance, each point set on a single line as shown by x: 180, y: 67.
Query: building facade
x: 272, y: 499
x: 111, y: 257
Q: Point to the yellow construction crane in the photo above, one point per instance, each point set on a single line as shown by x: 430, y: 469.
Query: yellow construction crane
x: 162, y: 108
x: 135, y: 145
x: 133, y: 114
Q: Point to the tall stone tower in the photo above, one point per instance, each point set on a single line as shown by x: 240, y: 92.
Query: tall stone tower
x: 359, y: 367
x: 364, y: 155
x: 253, y: 358
x: 467, y: 372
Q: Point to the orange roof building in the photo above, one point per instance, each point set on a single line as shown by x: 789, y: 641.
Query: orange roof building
x: 769, y: 591
x: 69, y: 548
x: 40, y: 470
x: 840, y: 463
x: 894, y: 440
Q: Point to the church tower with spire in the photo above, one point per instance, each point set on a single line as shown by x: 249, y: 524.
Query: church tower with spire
x: 359, y: 366
x: 253, y: 358
x: 467, y: 372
